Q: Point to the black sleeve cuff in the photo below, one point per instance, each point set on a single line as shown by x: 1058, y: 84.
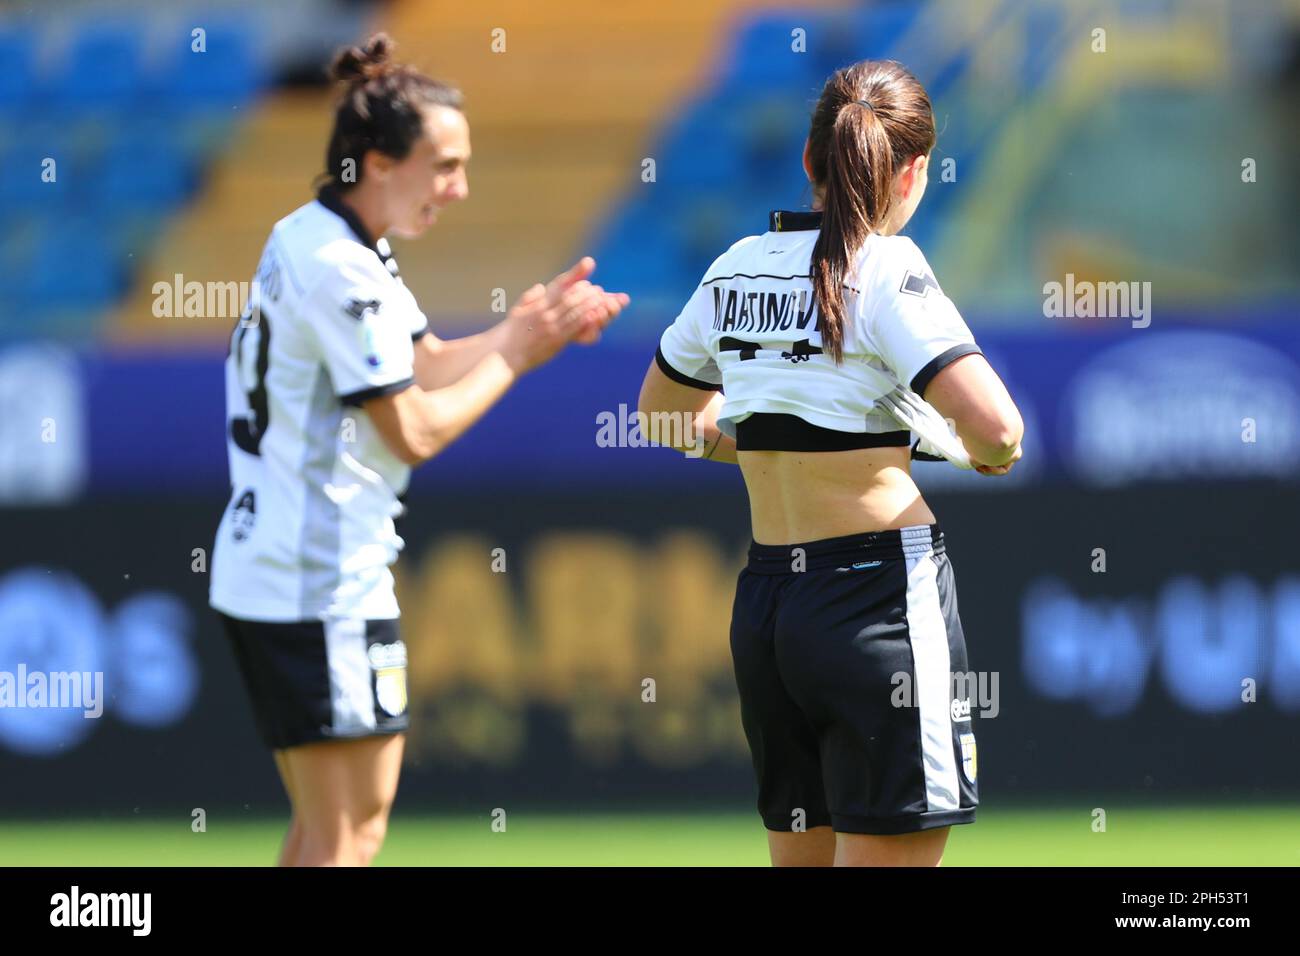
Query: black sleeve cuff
x: 918, y: 455
x: 921, y: 381
x: 357, y: 399
x: 679, y: 378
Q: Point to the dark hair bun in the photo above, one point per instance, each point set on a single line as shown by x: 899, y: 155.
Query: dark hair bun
x: 362, y: 63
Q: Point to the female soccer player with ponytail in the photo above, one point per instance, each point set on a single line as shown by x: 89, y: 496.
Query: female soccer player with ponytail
x: 300, y: 569
x: 832, y: 342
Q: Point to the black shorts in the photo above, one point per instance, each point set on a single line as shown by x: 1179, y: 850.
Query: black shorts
x: 847, y: 651
x: 321, y: 680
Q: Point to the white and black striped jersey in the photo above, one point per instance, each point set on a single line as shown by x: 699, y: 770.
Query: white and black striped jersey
x: 753, y: 329
x: 309, y: 530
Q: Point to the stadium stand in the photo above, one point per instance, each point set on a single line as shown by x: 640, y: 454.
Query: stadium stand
x: 165, y: 162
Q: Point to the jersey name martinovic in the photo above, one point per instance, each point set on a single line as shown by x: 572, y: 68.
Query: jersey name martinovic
x: 753, y: 329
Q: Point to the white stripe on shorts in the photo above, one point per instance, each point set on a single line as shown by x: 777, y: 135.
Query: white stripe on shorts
x: 351, y: 699
x: 928, y: 634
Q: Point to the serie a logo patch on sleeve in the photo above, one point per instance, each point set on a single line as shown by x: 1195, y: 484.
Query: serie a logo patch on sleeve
x: 968, y: 757
x: 243, y: 516
x: 388, y: 661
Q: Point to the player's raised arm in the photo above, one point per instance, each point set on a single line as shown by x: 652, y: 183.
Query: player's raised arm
x: 417, y: 424
x: 439, y: 363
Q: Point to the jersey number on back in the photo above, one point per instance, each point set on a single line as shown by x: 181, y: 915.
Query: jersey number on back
x: 247, y: 432
x: 800, y: 351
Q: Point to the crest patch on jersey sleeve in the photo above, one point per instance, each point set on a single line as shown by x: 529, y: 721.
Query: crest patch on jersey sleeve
x: 357, y: 308
x: 918, y: 284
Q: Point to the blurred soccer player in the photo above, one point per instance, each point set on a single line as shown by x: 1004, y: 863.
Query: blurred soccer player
x: 335, y: 388
x: 844, y: 632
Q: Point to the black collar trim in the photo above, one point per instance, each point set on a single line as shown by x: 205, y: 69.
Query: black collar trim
x: 330, y: 198
x: 785, y: 220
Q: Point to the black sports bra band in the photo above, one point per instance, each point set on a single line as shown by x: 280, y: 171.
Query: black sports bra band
x: 771, y: 431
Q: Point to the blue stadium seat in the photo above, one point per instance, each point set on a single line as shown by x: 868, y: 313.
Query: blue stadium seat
x: 767, y: 134
x: 761, y: 57
x: 227, y: 73
x: 701, y: 227
x: 696, y: 152
x: 186, y: 135
x: 881, y: 26
x: 23, y: 170
x: 73, y: 267
x: 944, y: 80
x: 628, y: 256
x: 103, y: 68
x: 1044, y: 38
x: 18, y: 80
x: 832, y: 43
x: 14, y: 272
x: 145, y: 173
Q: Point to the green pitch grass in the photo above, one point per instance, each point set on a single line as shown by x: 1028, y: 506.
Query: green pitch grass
x: 1207, y: 836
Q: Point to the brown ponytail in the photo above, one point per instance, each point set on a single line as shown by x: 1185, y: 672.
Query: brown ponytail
x: 380, y: 108
x: 872, y: 119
